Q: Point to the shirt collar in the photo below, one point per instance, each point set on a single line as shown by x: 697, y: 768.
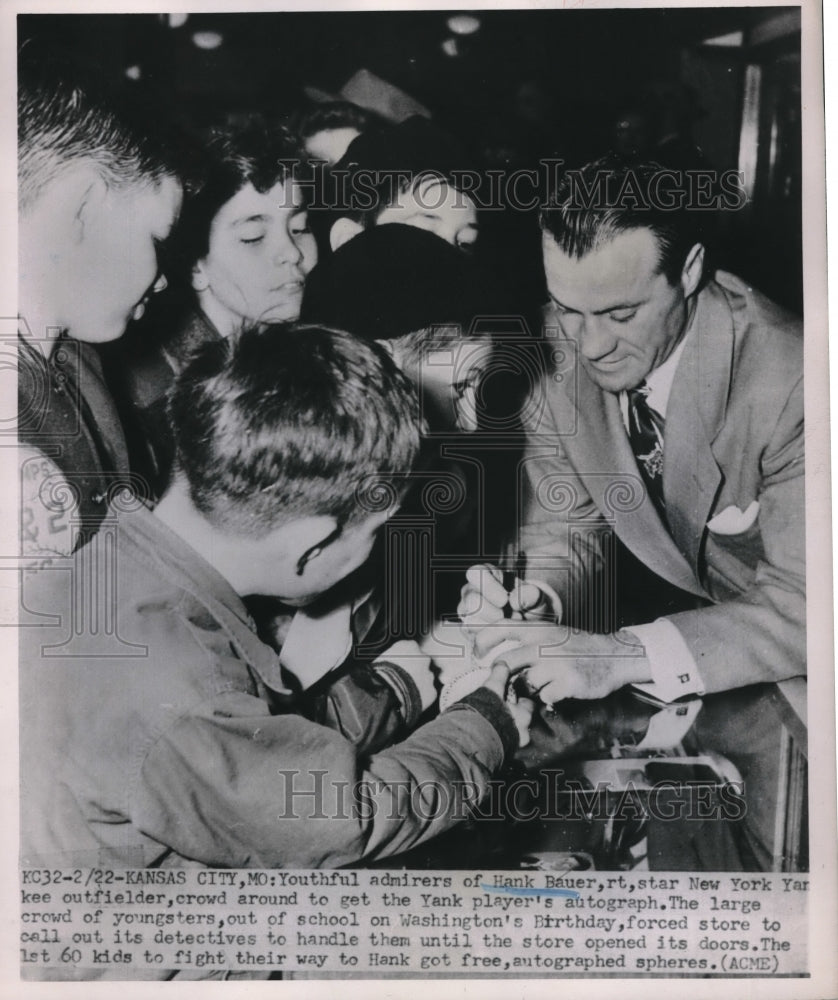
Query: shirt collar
x: 660, y: 379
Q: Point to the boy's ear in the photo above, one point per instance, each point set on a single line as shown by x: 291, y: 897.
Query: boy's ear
x: 343, y: 231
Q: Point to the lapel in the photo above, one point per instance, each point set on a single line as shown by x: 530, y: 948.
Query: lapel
x: 691, y: 476
x: 614, y: 484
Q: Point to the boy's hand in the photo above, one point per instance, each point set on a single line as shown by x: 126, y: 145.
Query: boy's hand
x: 520, y: 709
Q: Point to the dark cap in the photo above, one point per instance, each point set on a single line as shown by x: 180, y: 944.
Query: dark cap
x: 393, y: 279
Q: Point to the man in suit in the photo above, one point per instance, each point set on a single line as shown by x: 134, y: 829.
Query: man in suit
x: 673, y: 421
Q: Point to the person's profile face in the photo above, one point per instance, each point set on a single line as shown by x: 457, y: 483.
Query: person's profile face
x: 114, y: 266
x: 617, y: 307
x: 435, y: 206
x: 260, y: 250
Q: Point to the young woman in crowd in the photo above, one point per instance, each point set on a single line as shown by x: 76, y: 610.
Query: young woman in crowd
x: 238, y: 259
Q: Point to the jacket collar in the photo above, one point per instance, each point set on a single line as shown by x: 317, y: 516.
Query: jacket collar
x: 691, y: 476
x: 196, y: 331
x: 609, y: 472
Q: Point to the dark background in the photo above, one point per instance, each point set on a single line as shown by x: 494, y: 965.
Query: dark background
x: 525, y: 85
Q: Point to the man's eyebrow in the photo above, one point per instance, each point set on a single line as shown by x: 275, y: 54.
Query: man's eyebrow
x: 600, y: 312
x: 617, y: 308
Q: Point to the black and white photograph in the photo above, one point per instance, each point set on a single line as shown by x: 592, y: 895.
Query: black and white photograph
x: 415, y: 493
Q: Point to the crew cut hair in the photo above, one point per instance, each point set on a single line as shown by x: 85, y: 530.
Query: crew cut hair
x: 62, y: 121
x: 594, y: 204
x: 291, y: 421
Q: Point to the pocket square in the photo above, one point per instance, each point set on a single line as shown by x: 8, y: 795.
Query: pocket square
x: 733, y: 521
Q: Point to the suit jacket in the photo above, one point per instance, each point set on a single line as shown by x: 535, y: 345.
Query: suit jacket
x: 733, y: 436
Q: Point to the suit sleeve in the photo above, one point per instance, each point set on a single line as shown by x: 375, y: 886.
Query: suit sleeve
x: 563, y: 534
x: 760, y: 635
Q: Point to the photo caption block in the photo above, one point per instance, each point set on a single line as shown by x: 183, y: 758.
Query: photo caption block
x: 381, y: 922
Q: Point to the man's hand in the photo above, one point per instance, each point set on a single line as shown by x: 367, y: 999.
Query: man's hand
x: 520, y: 709
x: 484, y: 598
x: 558, y: 664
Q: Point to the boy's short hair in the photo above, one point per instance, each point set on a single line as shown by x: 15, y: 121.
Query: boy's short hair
x: 616, y: 194
x: 63, y: 119
x: 292, y: 421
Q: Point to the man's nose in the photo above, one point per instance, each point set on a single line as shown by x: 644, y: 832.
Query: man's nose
x: 594, y: 338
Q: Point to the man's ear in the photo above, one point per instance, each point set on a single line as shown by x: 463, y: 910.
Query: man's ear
x: 343, y: 231
x: 693, y: 270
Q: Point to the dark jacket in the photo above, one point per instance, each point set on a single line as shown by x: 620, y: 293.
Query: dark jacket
x: 143, y: 379
x: 159, y: 729
x: 66, y: 412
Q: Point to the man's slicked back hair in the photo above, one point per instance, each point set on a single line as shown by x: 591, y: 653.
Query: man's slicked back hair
x: 613, y: 195
x: 292, y: 421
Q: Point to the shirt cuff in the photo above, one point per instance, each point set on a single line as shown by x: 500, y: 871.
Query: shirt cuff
x: 674, y: 671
